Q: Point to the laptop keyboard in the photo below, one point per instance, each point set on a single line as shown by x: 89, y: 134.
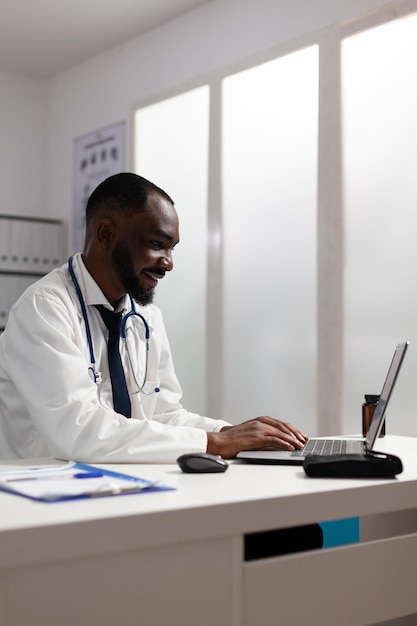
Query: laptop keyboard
x: 323, y: 447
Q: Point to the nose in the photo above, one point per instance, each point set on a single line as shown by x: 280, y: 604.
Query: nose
x: 166, y: 261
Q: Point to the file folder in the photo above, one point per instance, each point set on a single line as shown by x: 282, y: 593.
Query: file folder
x: 73, y: 481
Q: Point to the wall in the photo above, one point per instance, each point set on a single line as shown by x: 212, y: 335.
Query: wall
x: 23, y: 138
x: 104, y: 90
x: 222, y: 32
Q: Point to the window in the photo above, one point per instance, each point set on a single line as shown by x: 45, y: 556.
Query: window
x: 314, y: 282
x: 171, y: 150
x: 380, y: 156
x: 270, y: 127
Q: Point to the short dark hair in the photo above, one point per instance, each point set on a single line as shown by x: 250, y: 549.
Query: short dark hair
x: 125, y: 192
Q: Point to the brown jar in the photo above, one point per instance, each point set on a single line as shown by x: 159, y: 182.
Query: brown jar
x: 368, y: 408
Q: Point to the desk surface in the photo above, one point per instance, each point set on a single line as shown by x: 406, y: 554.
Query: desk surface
x: 170, y: 556
x: 244, y: 499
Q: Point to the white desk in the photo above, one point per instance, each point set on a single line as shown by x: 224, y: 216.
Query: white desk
x: 176, y: 558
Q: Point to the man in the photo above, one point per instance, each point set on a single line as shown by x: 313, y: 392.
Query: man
x: 57, y: 363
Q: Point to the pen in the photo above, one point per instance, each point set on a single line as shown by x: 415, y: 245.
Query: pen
x: 56, y: 477
x: 113, y: 489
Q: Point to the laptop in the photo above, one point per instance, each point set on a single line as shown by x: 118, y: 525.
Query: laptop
x: 337, y: 446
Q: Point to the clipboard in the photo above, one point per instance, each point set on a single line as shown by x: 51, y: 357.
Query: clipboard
x: 73, y: 481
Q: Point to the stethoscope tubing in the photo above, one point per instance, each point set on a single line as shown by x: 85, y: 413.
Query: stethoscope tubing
x: 123, y: 333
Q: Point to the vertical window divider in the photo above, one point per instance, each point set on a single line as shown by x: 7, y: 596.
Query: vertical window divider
x: 215, y: 303
x: 330, y: 240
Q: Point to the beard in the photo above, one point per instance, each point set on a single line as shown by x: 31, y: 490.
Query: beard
x: 123, y: 266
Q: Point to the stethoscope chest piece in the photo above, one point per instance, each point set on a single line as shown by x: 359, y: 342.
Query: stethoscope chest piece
x: 96, y: 375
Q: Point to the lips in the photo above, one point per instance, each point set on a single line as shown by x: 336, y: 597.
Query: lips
x: 152, y: 277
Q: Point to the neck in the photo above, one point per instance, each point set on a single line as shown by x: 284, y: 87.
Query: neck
x: 105, y: 280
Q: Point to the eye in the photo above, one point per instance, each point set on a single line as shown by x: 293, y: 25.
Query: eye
x: 161, y: 245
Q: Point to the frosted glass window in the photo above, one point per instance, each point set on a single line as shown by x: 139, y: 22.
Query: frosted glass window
x: 171, y: 150
x: 379, y: 94
x: 270, y: 129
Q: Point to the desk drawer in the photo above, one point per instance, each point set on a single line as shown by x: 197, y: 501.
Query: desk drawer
x: 371, y: 582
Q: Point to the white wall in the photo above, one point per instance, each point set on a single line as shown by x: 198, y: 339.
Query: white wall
x: 23, y: 137
x: 104, y: 90
x: 220, y: 34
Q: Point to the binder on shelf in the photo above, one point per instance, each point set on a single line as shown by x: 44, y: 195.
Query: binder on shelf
x: 30, y: 245
x: 11, y: 287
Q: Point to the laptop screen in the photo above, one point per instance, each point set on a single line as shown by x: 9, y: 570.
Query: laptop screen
x: 379, y: 413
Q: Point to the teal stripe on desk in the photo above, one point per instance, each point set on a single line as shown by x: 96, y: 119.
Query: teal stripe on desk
x: 340, y: 532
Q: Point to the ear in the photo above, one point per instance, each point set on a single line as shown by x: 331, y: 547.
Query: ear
x: 106, y: 232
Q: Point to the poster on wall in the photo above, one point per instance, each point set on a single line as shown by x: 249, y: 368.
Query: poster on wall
x: 97, y: 155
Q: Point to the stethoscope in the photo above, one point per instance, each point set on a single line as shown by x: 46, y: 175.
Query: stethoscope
x: 96, y: 374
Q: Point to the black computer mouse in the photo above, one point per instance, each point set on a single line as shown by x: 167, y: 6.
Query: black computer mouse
x: 201, y: 463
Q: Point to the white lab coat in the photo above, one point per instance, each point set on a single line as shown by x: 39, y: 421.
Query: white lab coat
x: 49, y: 403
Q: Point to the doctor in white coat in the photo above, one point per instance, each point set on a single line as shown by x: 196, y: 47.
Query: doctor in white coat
x: 56, y: 394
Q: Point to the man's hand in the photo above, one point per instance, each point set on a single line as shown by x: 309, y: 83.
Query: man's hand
x: 256, y: 434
